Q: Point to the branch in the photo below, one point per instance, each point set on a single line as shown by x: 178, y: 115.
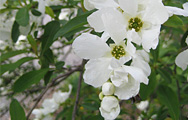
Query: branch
x: 78, y: 90
x: 64, y: 76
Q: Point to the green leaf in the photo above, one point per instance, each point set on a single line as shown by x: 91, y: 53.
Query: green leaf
x: 49, y: 11
x: 165, y: 75
x: 47, y: 77
x: 48, y: 37
x: 22, y: 16
x: 47, y: 59
x: 15, y: 33
x: 11, y: 54
x: 33, y: 43
x: 9, y: 67
x: 35, y: 12
x: 169, y: 98
x: 73, y: 24
x: 16, y: 111
x: 90, y: 106
x: 146, y: 90
x: 174, y: 21
x: 28, y: 79
x: 59, y: 65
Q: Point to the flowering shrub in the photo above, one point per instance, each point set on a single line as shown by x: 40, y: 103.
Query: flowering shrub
x: 131, y: 54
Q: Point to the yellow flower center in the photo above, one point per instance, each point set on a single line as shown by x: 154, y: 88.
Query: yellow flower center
x: 118, y: 52
x: 135, y: 23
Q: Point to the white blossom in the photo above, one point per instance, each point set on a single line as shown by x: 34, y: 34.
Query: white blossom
x: 142, y: 106
x: 2, y: 2
x: 60, y: 97
x: 129, y: 19
x: 38, y: 113
x: 127, y: 81
x: 109, y: 107
x: 49, y: 106
x: 103, y: 58
x: 108, y: 88
x: 178, y: 11
x: 182, y: 58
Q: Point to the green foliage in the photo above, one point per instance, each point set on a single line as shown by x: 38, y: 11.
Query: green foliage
x: 22, y: 16
x: 170, y: 99
x: 174, y: 21
x: 11, y: 54
x: 167, y: 89
x: 73, y: 24
x: 49, y: 11
x: 147, y: 90
x: 12, y: 66
x: 36, y: 12
x: 15, y: 32
x: 28, y: 79
x: 16, y: 111
x: 48, y: 36
x: 33, y: 43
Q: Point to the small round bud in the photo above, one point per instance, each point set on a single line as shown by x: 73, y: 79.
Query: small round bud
x: 101, y: 95
x: 108, y: 88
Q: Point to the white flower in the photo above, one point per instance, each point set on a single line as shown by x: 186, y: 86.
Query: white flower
x: 60, y: 97
x: 103, y: 58
x: 182, y: 58
x: 140, y: 60
x: 2, y: 2
x: 38, y: 113
x: 178, y: 11
x: 142, y: 23
x: 127, y: 81
x: 6, y: 26
x: 91, y: 4
x: 49, y: 106
x: 109, y: 107
x: 108, y: 88
x: 142, y: 105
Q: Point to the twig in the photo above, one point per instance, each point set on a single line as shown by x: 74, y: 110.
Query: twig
x: 78, y: 91
x: 64, y: 76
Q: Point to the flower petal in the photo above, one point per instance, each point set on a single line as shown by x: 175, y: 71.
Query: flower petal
x: 50, y: 106
x: 155, y: 12
x: 136, y: 73
x: 133, y: 36
x: 129, y: 6
x: 150, y: 38
x: 104, y: 3
x: 186, y: 40
x: 88, y: 5
x: 95, y: 20
x: 176, y: 11
x: 114, y: 24
x: 185, y: 6
x: 128, y: 90
x: 97, y: 72
x: 119, y: 77
x: 89, y: 46
x: 182, y: 59
x: 109, y: 107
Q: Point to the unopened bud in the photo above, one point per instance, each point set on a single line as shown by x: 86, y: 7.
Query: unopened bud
x: 101, y: 95
x: 108, y: 88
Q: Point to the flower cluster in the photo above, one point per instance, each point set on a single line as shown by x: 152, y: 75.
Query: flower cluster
x: 51, y: 105
x: 118, y: 66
